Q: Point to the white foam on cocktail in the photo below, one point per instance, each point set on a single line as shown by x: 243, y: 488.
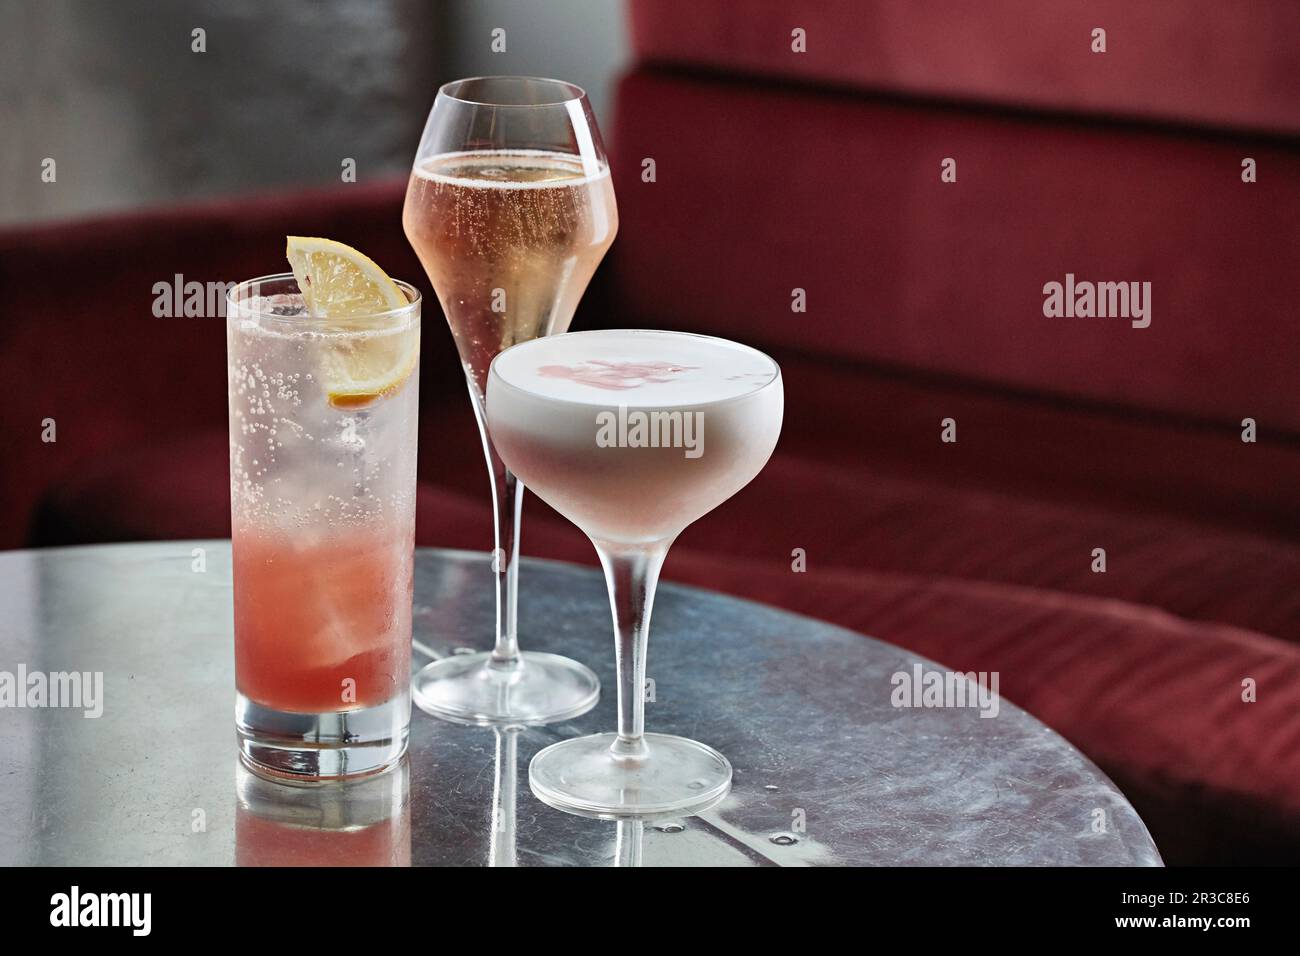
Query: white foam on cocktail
x: 644, y: 370
x: 426, y: 169
x: 632, y: 435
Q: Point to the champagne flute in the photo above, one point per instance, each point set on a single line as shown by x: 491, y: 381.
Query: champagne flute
x: 510, y: 208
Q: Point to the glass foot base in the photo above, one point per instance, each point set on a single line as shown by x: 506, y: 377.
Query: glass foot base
x: 472, y: 689
x: 314, y: 748
x: 677, y: 776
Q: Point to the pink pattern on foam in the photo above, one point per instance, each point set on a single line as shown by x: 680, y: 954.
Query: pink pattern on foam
x: 614, y: 376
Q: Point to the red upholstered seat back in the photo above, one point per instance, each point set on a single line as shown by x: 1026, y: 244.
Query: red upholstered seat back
x: 1187, y: 61
x: 762, y: 188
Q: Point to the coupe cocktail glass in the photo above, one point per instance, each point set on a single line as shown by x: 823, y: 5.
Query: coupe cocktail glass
x: 632, y: 435
x: 322, y: 535
x: 510, y: 209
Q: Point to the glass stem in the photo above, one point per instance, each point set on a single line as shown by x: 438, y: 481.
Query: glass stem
x: 501, y: 845
x: 631, y: 575
x: 629, y: 838
x: 507, y: 510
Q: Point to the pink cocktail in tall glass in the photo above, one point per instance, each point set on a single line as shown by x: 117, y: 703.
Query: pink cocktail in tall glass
x: 322, y: 468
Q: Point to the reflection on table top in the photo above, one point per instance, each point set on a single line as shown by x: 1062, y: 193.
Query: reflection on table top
x: 827, y: 771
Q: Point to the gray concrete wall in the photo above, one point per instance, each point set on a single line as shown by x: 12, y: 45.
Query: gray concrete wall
x: 113, y: 92
x: 582, y: 41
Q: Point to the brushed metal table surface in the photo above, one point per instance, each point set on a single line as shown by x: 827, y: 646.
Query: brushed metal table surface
x: 826, y: 770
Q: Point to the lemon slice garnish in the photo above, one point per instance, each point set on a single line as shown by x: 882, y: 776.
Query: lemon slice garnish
x: 343, y: 285
x: 337, y: 281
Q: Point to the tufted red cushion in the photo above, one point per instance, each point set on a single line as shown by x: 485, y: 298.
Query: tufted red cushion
x: 753, y: 198
x: 1154, y: 700
x: 1199, y: 61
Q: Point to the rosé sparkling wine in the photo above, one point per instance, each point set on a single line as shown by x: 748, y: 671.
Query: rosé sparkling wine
x: 510, y: 239
x: 510, y: 208
x: 322, y: 539
x: 634, y: 435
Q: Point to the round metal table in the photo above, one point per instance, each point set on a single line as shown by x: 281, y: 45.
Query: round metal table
x: 827, y: 771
